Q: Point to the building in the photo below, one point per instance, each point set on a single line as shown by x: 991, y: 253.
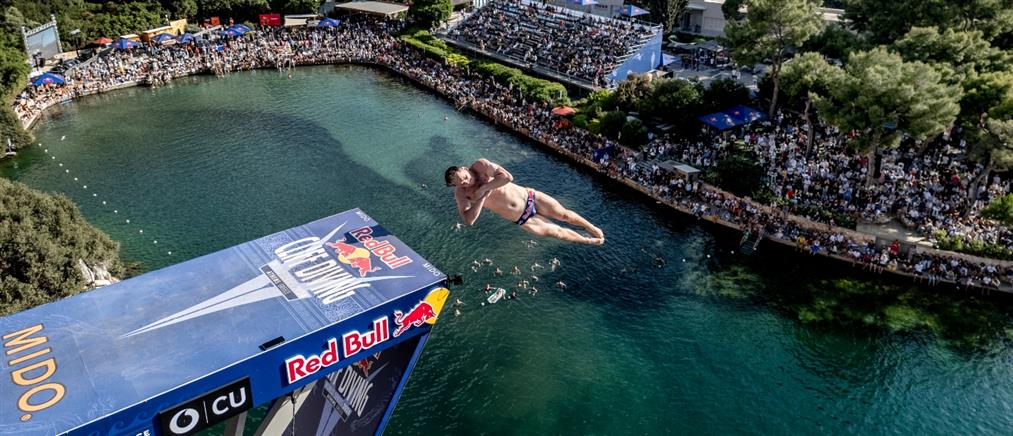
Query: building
x: 704, y: 18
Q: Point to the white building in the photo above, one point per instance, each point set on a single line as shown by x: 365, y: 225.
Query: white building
x: 704, y: 17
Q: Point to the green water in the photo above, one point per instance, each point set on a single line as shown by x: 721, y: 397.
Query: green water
x: 707, y: 343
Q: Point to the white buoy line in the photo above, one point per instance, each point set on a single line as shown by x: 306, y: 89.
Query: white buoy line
x: 95, y: 195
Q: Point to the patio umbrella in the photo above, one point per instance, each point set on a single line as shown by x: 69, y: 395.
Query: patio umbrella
x: 48, y: 79
x: 124, y: 44
x: 231, y: 32
x: 185, y: 38
x: 162, y: 38
x: 102, y: 41
x: 328, y: 22
x: 631, y: 11
x: 240, y: 28
x: 563, y: 111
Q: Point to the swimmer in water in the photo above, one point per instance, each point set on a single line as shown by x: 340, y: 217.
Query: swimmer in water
x: 487, y: 185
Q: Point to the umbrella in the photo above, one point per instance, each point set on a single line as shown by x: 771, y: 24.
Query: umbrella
x: 631, y: 11
x: 185, y: 38
x: 162, y: 38
x: 239, y: 28
x: 231, y: 32
x: 102, y: 41
x: 584, y: 2
x: 328, y: 22
x: 564, y: 111
x: 124, y: 44
x: 47, y: 79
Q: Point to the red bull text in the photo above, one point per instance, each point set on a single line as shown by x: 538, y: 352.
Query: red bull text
x: 299, y: 367
x: 382, y: 249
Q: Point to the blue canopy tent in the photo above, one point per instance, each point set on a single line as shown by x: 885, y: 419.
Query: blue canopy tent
x: 600, y: 153
x: 185, y: 38
x: 667, y: 59
x: 631, y: 11
x: 744, y: 115
x: 719, y: 120
x: 162, y: 38
x: 125, y: 44
x: 242, y: 29
x: 48, y: 79
x: 231, y: 32
x: 583, y: 2
x: 328, y: 22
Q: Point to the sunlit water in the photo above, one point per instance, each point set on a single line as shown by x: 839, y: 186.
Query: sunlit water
x: 702, y: 344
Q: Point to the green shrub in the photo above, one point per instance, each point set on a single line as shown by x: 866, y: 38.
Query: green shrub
x: 973, y: 247
x: 1000, y: 209
x: 612, y: 124
x: 634, y: 134
x: 580, y: 120
x: 530, y: 87
x: 42, y: 237
x: 458, y: 59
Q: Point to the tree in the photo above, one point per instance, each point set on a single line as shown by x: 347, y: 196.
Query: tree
x: 671, y: 99
x: 632, y: 91
x: 181, y: 8
x: 429, y: 12
x: 1000, y: 209
x: 984, y: 94
x: 995, y: 149
x: 42, y: 239
x: 296, y: 6
x: 667, y: 12
x: 770, y: 28
x: 732, y: 10
x: 722, y: 94
x: 835, y: 42
x: 956, y: 48
x: 884, y: 21
x: 806, y: 77
x: 881, y: 96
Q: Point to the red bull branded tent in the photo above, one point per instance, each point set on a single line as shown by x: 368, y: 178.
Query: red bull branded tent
x: 175, y: 351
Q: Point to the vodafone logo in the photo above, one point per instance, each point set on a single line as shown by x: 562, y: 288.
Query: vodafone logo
x: 207, y: 410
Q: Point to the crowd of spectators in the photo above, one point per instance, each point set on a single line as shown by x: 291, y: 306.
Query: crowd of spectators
x: 581, y: 46
x: 930, y: 189
x: 779, y: 142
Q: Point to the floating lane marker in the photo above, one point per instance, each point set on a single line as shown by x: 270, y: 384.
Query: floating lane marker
x: 95, y: 195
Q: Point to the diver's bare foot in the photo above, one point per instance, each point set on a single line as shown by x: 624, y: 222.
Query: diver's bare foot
x: 596, y: 232
x: 596, y: 241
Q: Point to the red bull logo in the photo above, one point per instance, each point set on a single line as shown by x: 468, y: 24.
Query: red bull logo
x: 384, y: 250
x: 356, y: 257
x: 419, y: 314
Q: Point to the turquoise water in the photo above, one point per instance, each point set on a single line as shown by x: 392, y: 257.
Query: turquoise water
x: 707, y: 343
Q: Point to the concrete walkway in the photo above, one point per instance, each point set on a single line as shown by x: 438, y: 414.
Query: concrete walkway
x: 894, y: 230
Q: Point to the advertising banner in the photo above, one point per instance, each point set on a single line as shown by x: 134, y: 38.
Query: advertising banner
x: 177, y: 350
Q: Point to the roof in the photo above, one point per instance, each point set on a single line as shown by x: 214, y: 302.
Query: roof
x: 122, y: 353
x: 376, y: 8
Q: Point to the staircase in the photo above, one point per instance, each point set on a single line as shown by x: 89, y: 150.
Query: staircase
x: 751, y: 243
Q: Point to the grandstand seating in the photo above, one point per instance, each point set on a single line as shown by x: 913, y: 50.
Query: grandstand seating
x: 582, y: 47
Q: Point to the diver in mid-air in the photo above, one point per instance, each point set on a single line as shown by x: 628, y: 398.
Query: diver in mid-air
x: 486, y: 184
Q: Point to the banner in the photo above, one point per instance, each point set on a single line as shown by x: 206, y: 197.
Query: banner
x: 270, y: 20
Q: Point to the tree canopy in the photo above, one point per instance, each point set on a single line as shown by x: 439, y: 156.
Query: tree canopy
x: 42, y: 239
x: 881, y: 95
x: 769, y: 30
